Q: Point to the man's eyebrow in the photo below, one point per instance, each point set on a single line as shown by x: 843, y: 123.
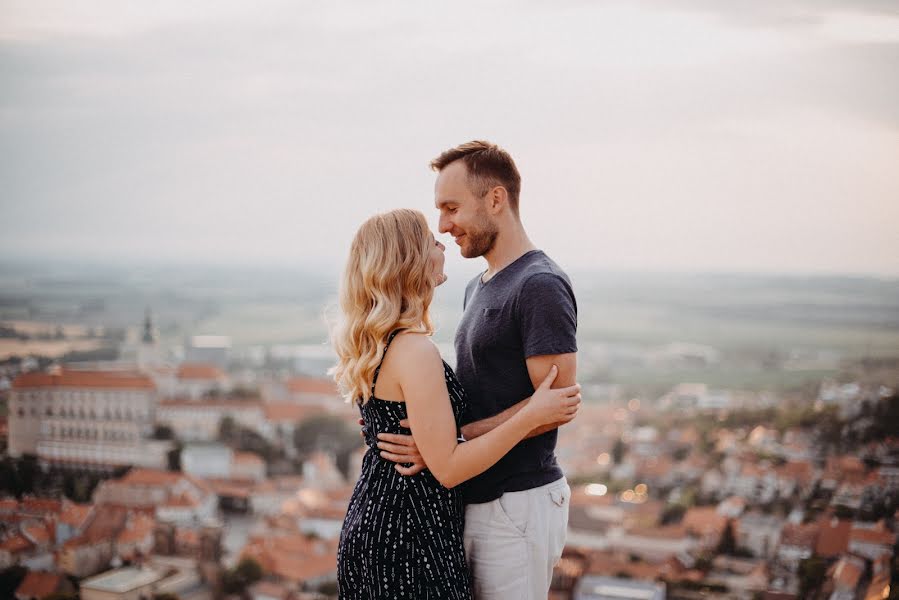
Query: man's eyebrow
x: 442, y: 203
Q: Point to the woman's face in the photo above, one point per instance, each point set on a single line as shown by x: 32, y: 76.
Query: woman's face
x: 436, y: 260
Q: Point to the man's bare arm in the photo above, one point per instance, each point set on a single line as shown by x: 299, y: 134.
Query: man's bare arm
x: 538, y: 367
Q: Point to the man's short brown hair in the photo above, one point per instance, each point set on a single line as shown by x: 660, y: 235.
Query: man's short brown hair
x: 488, y: 166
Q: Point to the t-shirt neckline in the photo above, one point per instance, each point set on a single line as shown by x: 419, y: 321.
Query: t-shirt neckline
x: 482, y: 283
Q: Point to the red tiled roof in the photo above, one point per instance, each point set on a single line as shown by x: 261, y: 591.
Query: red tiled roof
x: 160, y: 478
x: 39, y: 532
x: 223, y: 403
x: 248, y: 458
x: 138, y: 528
x: 234, y: 488
x: 15, y: 543
x: 75, y: 514
x: 140, y: 476
x: 704, y: 520
x: 107, y: 521
x: 878, y: 535
x: 40, y: 505
x: 38, y: 584
x: 84, y: 379
x: 293, y: 557
x: 667, y: 532
x: 310, y: 385
x: 199, y: 371
x: 833, y: 538
x: 77, y: 542
x: 804, y: 536
x: 187, y: 537
x: 751, y: 470
x: 847, y: 572
x: 611, y: 564
x: 801, y: 470
x: 182, y: 501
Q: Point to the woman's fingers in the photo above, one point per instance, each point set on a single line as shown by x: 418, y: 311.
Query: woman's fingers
x: 571, y: 390
x: 397, y: 458
x: 398, y: 449
x: 550, y: 377
x: 413, y: 470
x: 398, y: 438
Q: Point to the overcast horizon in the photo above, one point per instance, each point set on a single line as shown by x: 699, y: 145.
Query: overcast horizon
x: 691, y: 136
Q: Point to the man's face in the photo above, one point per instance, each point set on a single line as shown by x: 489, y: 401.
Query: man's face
x: 462, y: 213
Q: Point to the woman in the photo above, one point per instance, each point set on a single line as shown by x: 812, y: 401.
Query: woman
x: 402, y: 536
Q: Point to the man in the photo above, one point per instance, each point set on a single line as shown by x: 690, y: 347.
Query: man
x: 520, y: 318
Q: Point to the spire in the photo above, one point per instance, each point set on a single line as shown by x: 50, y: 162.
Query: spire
x: 148, y: 329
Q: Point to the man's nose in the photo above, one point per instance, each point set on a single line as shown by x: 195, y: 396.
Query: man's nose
x: 444, y: 225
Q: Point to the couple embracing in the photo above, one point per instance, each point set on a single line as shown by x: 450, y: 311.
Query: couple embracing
x: 411, y: 530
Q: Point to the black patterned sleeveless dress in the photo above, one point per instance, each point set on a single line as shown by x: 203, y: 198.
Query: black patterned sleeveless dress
x: 402, y: 536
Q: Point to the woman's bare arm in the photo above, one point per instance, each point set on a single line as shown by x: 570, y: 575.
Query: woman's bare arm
x: 433, y: 424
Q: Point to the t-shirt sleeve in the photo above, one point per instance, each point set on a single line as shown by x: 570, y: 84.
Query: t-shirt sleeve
x: 548, y: 315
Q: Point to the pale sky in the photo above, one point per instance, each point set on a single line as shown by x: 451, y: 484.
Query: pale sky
x: 651, y: 135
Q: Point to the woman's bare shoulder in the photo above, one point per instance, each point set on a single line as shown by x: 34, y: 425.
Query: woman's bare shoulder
x: 413, y: 342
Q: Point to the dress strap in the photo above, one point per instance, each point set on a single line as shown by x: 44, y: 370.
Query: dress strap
x: 374, y: 380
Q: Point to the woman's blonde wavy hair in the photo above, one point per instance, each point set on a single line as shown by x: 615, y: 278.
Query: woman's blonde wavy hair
x: 387, y: 285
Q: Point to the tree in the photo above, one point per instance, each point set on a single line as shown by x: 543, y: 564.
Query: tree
x: 9, y: 477
x: 327, y: 433
x: 227, y: 428
x: 79, y: 487
x: 10, y: 579
x: 236, y: 580
x: 163, y: 432
x: 173, y: 457
x: 811, y: 575
x: 728, y: 543
x: 618, y: 451
x: 249, y: 570
x: 28, y: 472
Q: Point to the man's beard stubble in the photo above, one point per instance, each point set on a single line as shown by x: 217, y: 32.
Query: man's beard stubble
x: 481, y: 240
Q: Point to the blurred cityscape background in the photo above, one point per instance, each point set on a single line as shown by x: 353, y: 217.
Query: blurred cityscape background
x: 179, y: 184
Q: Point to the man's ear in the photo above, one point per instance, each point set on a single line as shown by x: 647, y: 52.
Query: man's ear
x: 497, y: 200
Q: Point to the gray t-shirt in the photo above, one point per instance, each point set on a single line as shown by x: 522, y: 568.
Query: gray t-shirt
x: 527, y: 309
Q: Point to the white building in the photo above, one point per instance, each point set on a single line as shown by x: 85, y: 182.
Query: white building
x: 696, y: 396
x: 89, y: 418
x: 214, y: 349
x: 207, y: 460
x: 196, y: 380
x: 221, y: 462
x: 759, y: 533
x: 200, y: 421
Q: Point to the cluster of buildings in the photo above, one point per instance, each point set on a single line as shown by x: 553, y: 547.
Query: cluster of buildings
x: 103, y: 416
x: 742, y: 512
x: 153, y: 531
x: 154, y: 527
x: 661, y: 508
